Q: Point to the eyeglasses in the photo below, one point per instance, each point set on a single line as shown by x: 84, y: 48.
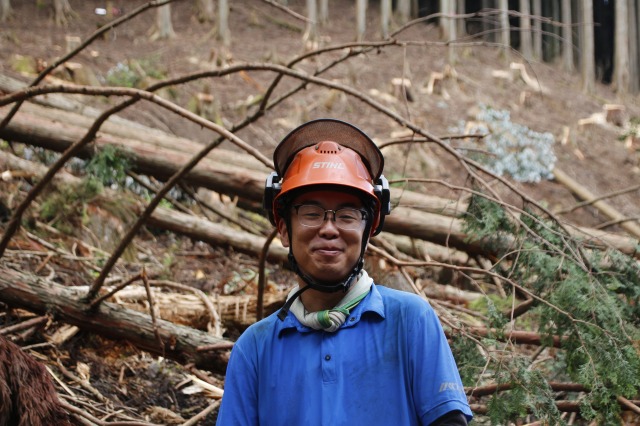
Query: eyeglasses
x: 313, y: 216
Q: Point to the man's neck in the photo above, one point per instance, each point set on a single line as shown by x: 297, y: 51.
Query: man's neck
x: 315, y: 300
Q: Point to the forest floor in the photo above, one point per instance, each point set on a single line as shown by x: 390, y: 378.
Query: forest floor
x: 596, y: 156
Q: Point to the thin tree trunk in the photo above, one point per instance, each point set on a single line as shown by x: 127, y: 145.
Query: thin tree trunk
x: 489, y: 23
x: 224, y: 33
x: 621, y: 49
x: 5, y: 10
x: 525, y: 30
x: 310, y: 36
x: 461, y: 29
x: 404, y: 10
x: 361, y: 14
x: 537, y: 30
x: 567, y: 37
x: 634, y: 75
x: 324, y: 12
x: 205, y: 10
x: 505, y: 36
x: 634, y: 14
x: 385, y: 17
x: 61, y: 11
x: 587, y: 56
x: 164, y: 27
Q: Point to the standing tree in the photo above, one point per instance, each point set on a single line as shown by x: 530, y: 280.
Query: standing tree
x: 61, y: 11
x: 448, y: 27
x: 404, y: 10
x: 310, y: 36
x: 567, y: 37
x: 505, y: 36
x: 385, y: 17
x: 205, y: 10
x: 621, y: 49
x: 5, y: 10
x: 537, y: 29
x: 587, y: 57
x: 223, y: 22
x: 324, y: 12
x: 361, y: 18
x: 162, y: 29
x: 634, y: 53
x: 460, y: 8
x: 525, y: 30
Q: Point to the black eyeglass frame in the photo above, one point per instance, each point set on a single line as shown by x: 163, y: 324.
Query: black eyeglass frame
x: 364, y: 218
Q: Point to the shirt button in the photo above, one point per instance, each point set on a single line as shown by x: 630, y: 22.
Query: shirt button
x: 327, y: 357
x: 352, y: 319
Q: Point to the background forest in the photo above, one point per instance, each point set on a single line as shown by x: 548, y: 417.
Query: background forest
x: 136, y: 137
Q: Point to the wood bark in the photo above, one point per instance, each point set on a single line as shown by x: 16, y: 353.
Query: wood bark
x: 621, y: 49
x: 603, y: 206
x: 525, y: 30
x: 5, y: 10
x: 110, y: 320
x: 205, y: 10
x: 224, y: 33
x: 587, y: 55
x: 404, y: 11
x: 567, y: 37
x: 248, y: 184
x: 361, y: 19
x: 61, y: 11
x: 385, y: 17
x: 537, y: 29
x: 505, y: 36
x: 164, y: 27
x: 634, y: 52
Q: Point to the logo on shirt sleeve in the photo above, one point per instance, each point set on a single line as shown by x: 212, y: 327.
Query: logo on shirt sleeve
x: 451, y: 386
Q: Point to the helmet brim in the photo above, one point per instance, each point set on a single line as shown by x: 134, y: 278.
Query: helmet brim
x: 328, y: 129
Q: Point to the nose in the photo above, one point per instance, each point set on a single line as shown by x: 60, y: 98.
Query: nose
x: 329, y: 223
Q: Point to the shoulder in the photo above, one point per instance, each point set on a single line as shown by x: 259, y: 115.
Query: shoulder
x: 258, y: 333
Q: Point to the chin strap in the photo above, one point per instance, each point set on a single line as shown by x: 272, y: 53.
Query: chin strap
x: 320, y: 286
x: 311, y: 283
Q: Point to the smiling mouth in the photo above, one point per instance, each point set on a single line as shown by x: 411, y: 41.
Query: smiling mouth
x: 328, y: 251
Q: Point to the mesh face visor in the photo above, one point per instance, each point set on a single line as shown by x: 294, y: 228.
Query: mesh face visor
x: 321, y: 130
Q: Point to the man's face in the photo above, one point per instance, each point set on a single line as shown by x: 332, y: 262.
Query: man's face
x: 326, y: 253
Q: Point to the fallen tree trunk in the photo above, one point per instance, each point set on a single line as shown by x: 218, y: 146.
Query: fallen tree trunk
x: 64, y: 303
x: 160, y: 155
x: 443, y: 230
x: 601, y: 205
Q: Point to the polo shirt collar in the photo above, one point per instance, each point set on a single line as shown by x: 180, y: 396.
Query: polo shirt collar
x: 371, y: 303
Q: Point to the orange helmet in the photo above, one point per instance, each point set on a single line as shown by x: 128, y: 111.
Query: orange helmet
x: 328, y: 152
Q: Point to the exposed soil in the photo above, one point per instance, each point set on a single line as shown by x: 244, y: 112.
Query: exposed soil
x: 596, y: 158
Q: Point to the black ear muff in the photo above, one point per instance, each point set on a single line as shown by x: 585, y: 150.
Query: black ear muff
x: 382, y: 192
x: 271, y: 190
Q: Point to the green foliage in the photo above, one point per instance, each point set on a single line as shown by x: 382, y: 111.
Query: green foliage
x: 109, y: 166
x: 487, y: 221
x: 65, y: 208
x: 592, y: 302
x: 529, y: 393
x: 469, y: 359
x: 133, y: 73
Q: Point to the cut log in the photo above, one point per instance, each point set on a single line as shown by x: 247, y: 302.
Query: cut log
x: 585, y: 195
x: 178, y: 342
x: 445, y: 231
x: 615, y: 114
x: 160, y: 155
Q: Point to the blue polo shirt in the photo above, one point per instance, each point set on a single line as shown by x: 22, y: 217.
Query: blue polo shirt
x: 389, y: 364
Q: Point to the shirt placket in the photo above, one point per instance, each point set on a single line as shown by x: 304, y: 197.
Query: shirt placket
x: 329, y: 357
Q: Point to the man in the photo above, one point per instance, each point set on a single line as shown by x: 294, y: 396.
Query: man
x: 342, y: 351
